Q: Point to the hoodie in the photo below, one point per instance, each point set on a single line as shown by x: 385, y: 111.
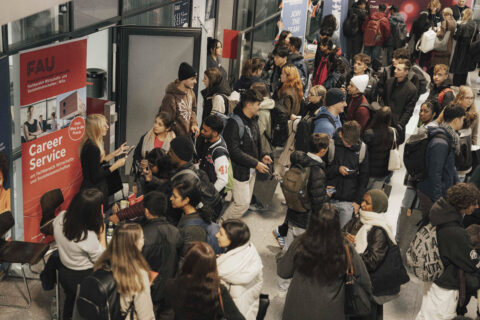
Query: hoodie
x: 240, y: 269
x: 182, y: 105
x: 324, y: 125
x: 317, y: 185
x: 456, y: 251
x: 265, y: 124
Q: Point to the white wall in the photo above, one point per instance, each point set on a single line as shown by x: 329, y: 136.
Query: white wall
x: 97, y: 50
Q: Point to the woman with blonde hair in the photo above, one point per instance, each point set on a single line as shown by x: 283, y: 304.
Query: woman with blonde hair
x: 448, y: 24
x: 291, y: 92
x: 315, y: 100
x: 130, y: 270
x: 462, y: 62
x: 94, y: 162
x: 434, y: 9
x: 196, y: 293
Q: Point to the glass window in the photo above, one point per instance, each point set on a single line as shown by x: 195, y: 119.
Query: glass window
x: 244, y: 14
x: 161, y: 17
x: 263, y: 39
x: 88, y: 12
x: 129, y: 5
x: 39, y: 26
x: 266, y: 8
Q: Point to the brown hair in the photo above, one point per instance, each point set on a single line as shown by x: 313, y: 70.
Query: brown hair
x: 214, y: 77
x: 447, y: 12
x: 251, y: 66
x: 463, y: 195
x: 362, y: 57
x: 262, y: 88
x: 406, y: 62
x: 440, y: 67
x: 471, y: 113
x: 467, y: 14
x: 434, y: 4
x: 318, y: 142
x: 125, y: 259
x: 351, y: 131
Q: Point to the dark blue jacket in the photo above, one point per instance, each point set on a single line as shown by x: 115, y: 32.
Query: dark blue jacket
x: 440, y: 158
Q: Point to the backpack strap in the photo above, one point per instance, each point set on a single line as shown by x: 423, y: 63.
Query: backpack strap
x: 331, y: 151
x: 242, y: 128
x: 225, y: 101
x: 363, y: 152
x: 326, y: 116
x: 185, y: 171
x: 442, y: 94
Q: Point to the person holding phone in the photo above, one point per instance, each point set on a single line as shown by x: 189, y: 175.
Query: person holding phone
x: 95, y: 167
x: 347, y: 170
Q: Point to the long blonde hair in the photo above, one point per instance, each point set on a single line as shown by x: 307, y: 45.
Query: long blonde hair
x: 125, y: 259
x: 434, y: 4
x: 467, y: 15
x: 472, y: 113
x: 93, y: 132
x: 293, y: 81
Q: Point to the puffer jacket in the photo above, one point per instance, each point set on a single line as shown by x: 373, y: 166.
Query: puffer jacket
x: 162, y: 248
x: 317, y: 184
x: 244, y: 83
x: 240, y: 269
x: 440, y: 159
x: 353, y: 186
x: 244, y: 155
x: 209, y: 96
x: 265, y: 124
x: 182, y: 105
x: 378, y: 148
x: 456, y: 251
x: 436, y: 90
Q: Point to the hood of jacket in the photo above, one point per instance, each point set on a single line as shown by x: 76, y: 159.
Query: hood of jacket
x: 295, y: 57
x: 443, y: 212
x: 173, y: 89
x: 267, y: 104
x: 397, y: 17
x: 338, y: 142
x: 240, y: 265
x: 302, y: 158
x: 433, y: 131
x: 377, y: 15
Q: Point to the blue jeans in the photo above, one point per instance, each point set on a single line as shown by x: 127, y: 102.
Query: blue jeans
x: 345, y: 211
x: 373, y: 52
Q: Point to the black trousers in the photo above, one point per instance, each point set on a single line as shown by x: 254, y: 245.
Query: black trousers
x: 70, y: 279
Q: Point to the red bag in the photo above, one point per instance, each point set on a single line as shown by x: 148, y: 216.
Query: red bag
x: 372, y: 34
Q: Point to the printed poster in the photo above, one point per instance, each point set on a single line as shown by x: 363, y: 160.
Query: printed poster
x: 5, y: 137
x: 52, y: 113
x: 294, y: 18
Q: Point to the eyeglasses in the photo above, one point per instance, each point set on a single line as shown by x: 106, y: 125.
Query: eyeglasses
x: 468, y: 98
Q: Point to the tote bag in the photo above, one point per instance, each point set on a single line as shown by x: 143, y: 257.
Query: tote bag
x: 426, y: 43
x: 442, y: 45
x: 395, y: 160
x: 357, y: 300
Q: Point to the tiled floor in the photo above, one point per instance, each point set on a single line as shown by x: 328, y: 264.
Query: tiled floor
x: 261, y: 224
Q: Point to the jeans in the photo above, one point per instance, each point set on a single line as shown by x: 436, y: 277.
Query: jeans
x: 70, y: 279
x: 376, y: 183
x: 242, y: 195
x: 345, y: 211
x: 373, y: 52
x: 292, y: 233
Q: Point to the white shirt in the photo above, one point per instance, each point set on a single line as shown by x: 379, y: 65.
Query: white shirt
x: 76, y: 255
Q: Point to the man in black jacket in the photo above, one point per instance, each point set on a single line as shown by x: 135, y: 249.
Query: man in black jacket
x: 163, y: 244
x: 458, y: 9
x: 440, y: 91
x: 347, y: 170
x: 242, y: 136
x: 456, y: 252
x: 400, y: 95
x: 316, y: 185
x: 280, y: 58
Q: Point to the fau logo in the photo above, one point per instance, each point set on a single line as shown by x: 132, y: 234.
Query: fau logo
x: 40, y: 65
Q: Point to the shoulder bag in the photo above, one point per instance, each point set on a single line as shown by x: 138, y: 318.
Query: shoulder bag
x: 442, y: 44
x: 394, y: 160
x: 357, y: 300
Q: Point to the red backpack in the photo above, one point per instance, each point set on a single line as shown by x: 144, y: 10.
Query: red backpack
x: 372, y: 33
x: 441, y: 95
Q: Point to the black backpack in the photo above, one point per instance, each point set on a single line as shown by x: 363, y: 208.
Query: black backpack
x: 305, y: 127
x: 415, y: 154
x: 279, y: 121
x: 99, y: 299
x: 351, y: 25
x: 422, y: 81
x: 399, y: 33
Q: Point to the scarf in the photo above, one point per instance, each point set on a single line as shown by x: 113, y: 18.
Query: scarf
x: 370, y: 219
x: 454, y: 135
x: 149, y: 142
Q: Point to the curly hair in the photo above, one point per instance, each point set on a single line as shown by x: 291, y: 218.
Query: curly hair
x: 4, y: 167
x: 463, y: 195
x: 293, y: 80
x: 321, y: 252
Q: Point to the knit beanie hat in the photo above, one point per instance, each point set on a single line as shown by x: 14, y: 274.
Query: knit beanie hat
x: 360, y: 82
x: 333, y: 96
x: 182, y: 146
x: 379, y: 200
x: 185, y: 71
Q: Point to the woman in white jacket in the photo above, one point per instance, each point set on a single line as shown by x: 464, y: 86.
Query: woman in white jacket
x: 240, y: 268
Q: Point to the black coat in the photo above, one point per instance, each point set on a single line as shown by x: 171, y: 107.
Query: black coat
x: 94, y: 172
x: 401, y: 98
x: 378, y: 147
x: 246, y: 155
x: 436, y: 90
x: 456, y: 251
x: 244, y: 83
x: 162, y: 248
x: 208, y: 95
x: 317, y: 183
x: 462, y: 60
x: 353, y: 186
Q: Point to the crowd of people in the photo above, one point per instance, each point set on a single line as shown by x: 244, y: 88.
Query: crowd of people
x: 329, y: 130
